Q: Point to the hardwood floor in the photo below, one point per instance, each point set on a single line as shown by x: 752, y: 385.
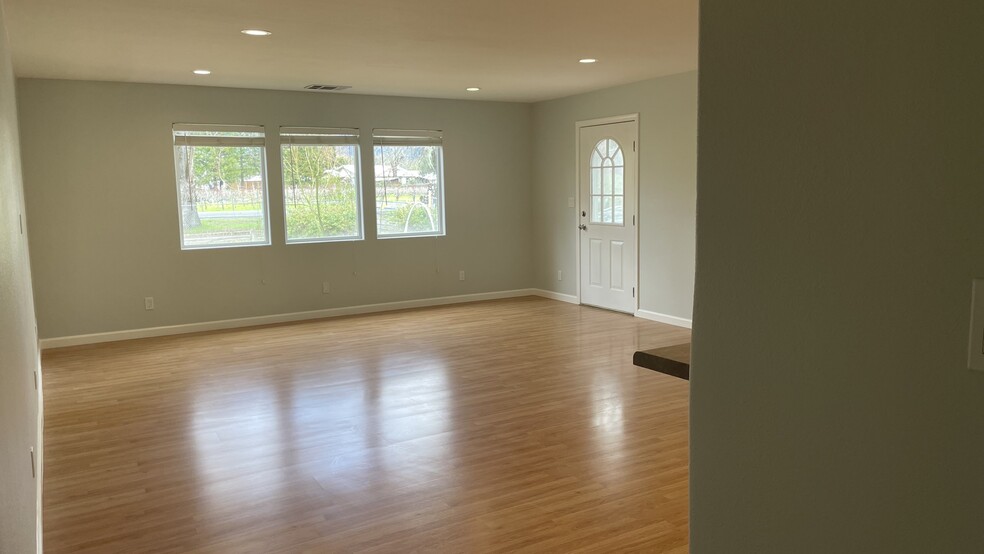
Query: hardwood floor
x: 504, y: 426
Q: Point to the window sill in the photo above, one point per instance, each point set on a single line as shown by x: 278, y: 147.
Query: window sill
x: 410, y: 236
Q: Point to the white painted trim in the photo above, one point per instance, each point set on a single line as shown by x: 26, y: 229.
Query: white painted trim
x: 39, y: 453
x: 608, y: 120
x: 663, y: 318
x: 578, y: 125
x: 59, y: 342
x: 569, y: 298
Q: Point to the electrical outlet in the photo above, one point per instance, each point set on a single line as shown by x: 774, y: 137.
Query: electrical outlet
x: 149, y: 303
x: 325, y: 287
x: 560, y: 275
x: 461, y: 275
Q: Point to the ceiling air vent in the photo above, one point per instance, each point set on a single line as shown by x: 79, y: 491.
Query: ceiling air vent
x: 327, y: 88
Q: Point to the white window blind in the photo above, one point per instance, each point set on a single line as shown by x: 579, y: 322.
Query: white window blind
x: 318, y: 135
x: 400, y: 137
x: 186, y: 134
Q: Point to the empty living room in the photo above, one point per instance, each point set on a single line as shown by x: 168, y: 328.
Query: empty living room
x: 466, y: 276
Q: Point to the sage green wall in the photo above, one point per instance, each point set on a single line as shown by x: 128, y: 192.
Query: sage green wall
x: 667, y: 108
x: 18, y: 346
x: 840, y: 200
x: 99, y: 174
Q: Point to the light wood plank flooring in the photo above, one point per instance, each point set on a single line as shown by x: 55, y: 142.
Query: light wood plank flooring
x: 517, y: 425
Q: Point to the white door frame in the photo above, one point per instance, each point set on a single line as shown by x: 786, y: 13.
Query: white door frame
x: 632, y: 117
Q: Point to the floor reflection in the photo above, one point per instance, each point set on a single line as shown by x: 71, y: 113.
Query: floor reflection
x: 383, y: 424
x: 239, y: 442
x: 608, y: 415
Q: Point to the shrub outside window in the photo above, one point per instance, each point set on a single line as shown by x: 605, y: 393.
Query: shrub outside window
x: 222, y: 188
x: 322, y: 184
x: 409, y: 172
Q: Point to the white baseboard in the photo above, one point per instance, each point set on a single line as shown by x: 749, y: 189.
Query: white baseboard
x: 569, y: 298
x: 76, y: 340
x: 663, y: 318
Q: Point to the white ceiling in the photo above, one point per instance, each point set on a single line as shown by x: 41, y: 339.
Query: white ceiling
x: 516, y: 50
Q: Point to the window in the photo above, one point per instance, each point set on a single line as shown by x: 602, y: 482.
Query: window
x: 322, y: 184
x: 222, y: 192
x: 607, y: 183
x: 409, y: 183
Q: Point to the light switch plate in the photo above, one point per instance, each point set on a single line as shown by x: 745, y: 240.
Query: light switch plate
x: 975, y: 350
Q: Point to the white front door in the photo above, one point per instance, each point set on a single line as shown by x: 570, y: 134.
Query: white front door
x: 607, y: 217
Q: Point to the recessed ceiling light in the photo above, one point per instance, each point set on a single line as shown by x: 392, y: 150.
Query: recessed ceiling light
x: 256, y: 32
x: 587, y: 60
x: 202, y: 72
x: 473, y: 89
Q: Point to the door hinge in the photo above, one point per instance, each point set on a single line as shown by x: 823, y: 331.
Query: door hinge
x: 633, y: 220
x: 633, y: 146
x: 35, y: 380
x: 633, y: 292
x: 34, y: 470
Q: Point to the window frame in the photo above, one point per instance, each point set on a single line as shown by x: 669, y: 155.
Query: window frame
x: 333, y: 136
x: 601, y: 172
x: 218, y: 141
x: 407, y: 137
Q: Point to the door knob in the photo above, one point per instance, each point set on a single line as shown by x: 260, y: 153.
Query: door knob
x: 582, y: 227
